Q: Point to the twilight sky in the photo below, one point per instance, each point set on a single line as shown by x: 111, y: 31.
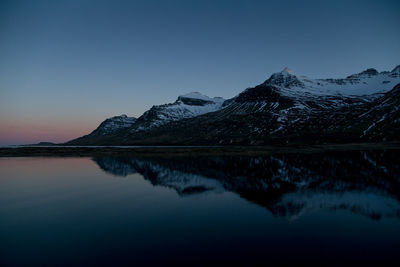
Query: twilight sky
x: 65, y: 66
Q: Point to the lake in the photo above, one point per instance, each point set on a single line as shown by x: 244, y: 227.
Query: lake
x: 317, y: 208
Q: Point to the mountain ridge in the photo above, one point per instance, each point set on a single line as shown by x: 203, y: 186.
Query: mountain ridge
x: 285, y: 108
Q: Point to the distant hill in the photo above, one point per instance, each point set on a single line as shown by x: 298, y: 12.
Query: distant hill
x: 42, y: 144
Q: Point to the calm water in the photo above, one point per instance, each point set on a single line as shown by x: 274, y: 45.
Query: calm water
x: 317, y: 208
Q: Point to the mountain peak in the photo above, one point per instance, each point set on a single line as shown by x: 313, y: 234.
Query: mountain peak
x: 287, y: 70
x: 396, y: 69
x: 366, y: 73
x: 370, y: 71
x: 285, y: 78
x: 196, y: 95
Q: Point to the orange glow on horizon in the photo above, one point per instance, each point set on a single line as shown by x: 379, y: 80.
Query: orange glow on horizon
x: 30, y: 132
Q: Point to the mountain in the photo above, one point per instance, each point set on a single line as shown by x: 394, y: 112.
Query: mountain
x: 107, y: 128
x: 41, y: 144
x: 286, y: 108
x: 114, y: 124
x: 368, y: 83
x: 186, y: 106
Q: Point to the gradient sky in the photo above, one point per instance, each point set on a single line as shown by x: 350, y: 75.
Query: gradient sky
x: 65, y: 66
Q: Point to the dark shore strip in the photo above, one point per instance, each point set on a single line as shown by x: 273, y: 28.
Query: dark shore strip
x: 66, y: 151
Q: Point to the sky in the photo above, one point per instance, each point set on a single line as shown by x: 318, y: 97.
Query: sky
x: 65, y: 66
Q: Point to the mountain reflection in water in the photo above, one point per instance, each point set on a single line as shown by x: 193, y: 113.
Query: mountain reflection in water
x: 288, y: 185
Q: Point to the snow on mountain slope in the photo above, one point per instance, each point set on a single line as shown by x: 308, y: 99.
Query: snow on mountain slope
x: 264, y: 115
x: 111, y: 125
x: 186, y: 106
x: 368, y: 82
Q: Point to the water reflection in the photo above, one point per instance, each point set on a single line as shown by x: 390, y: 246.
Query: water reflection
x: 288, y: 185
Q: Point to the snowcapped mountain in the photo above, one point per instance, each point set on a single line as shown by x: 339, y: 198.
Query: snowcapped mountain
x: 286, y: 108
x: 114, y: 124
x: 106, y: 129
x: 186, y: 106
x: 366, y: 83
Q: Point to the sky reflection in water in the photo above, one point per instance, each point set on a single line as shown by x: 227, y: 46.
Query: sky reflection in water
x: 320, y: 208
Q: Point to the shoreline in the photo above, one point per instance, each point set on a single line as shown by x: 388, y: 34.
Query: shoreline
x: 88, y: 151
